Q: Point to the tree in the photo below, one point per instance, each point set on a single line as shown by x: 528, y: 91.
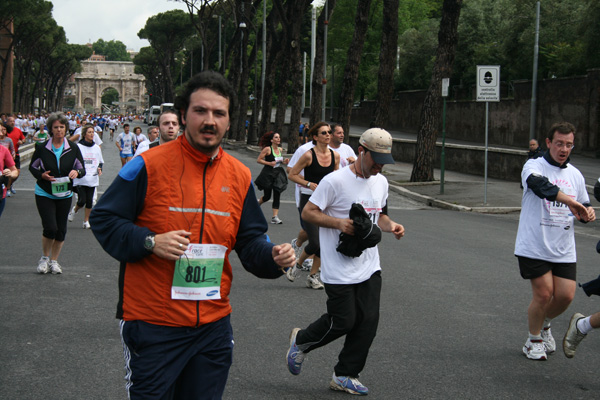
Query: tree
x: 353, y: 63
x: 387, y: 60
x: 430, y: 113
x: 167, y: 33
x: 146, y: 63
x: 113, y: 50
x: 317, y: 74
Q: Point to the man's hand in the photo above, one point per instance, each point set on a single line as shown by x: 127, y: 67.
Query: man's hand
x: 346, y: 225
x: 397, y: 230
x: 284, y: 255
x: 581, y: 212
x: 171, y: 245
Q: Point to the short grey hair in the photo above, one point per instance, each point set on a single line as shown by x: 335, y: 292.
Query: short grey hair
x: 57, y: 116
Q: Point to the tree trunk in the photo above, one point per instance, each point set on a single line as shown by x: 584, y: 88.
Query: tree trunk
x: 387, y: 59
x: 353, y: 63
x: 431, y: 111
x: 317, y: 76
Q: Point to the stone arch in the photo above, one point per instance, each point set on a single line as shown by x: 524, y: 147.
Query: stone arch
x: 97, y: 76
x: 88, y: 104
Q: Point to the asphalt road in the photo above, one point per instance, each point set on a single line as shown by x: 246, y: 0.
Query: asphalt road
x: 453, y: 314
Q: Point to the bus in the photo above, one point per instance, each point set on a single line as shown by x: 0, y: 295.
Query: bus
x: 153, y: 115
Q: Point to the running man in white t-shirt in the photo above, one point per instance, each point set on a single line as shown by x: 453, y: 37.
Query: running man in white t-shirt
x: 347, y: 155
x: 353, y: 285
x: 126, y: 145
x: 554, y: 193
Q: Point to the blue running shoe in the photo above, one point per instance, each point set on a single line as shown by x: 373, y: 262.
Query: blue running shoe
x: 295, y: 356
x: 348, y: 384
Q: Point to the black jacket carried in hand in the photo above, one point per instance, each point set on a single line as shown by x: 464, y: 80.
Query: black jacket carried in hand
x: 366, y: 233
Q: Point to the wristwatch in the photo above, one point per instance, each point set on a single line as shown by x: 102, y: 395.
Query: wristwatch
x: 308, y: 184
x: 149, y: 242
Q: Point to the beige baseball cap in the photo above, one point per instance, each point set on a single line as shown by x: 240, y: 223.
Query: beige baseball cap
x: 379, y: 142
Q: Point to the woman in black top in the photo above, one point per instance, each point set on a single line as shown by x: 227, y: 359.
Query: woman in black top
x: 272, y: 178
x: 55, y: 163
x: 316, y: 163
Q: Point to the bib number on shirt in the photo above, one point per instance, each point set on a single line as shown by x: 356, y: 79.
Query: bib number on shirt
x: 198, y: 273
x: 60, y: 187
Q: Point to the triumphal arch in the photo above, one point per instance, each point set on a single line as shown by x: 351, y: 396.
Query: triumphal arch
x: 98, y: 76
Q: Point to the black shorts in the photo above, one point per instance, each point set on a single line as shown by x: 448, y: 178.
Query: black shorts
x: 18, y: 162
x: 531, y: 268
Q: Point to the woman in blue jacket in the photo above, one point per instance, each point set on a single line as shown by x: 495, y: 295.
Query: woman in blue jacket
x: 55, y: 163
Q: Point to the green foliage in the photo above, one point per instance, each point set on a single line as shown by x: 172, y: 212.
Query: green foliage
x: 109, y: 96
x: 114, y: 50
x: 416, y: 55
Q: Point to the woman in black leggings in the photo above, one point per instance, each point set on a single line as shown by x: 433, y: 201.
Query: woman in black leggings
x: 314, y: 164
x: 55, y: 163
x: 273, y: 177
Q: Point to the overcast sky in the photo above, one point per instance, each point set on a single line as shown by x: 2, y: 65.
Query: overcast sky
x: 86, y: 21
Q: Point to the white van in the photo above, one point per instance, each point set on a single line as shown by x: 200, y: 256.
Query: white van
x: 153, y: 115
x: 166, y: 106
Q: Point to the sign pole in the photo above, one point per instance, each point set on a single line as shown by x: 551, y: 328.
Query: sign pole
x: 487, y: 113
x: 488, y: 89
x: 445, y: 84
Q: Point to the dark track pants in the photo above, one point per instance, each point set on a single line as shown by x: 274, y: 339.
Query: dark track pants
x: 352, y: 310
x: 169, y: 363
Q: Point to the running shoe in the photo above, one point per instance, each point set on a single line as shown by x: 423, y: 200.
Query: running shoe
x: 535, y: 349
x: 276, y: 220
x: 8, y: 193
x: 348, y: 384
x: 55, y: 267
x: 295, y: 356
x: 297, y: 249
x: 86, y: 225
x: 292, y: 273
x: 307, y: 264
x: 71, y: 216
x: 43, y: 267
x: 549, y: 342
x: 12, y: 190
x: 573, y: 337
x: 314, y: 282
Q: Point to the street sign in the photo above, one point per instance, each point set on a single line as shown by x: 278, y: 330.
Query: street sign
x: 445, y: 85
x: 488, y: 83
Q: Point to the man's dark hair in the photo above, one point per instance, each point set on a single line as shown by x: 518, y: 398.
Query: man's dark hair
x: 124, y: 125
x: 168, y: 111
x: 204, y: 80
x: 561, y: 127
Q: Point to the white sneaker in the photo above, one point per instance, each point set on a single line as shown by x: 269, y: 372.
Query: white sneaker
x: 292, y: 273
x: 55, y: 267
x: 549, y: 342
x: 43, y: 267
x: 573, y: 337
x: 71, y: 216
x: 297, y: 249
x: 314, y: 282
x: 86, y: 225
x: 276, y: 220
x: 307, y: 264
x: 535, y: 349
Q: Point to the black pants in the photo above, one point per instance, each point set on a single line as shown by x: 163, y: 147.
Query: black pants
x: 352, y: 310
x: 276, y: 197
x: 54, y: 215
x: 86, y: 196
x: 312, y: 231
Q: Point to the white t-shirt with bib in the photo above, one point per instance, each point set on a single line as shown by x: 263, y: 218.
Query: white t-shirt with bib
x: 546, y: 229
x: 334, y: 196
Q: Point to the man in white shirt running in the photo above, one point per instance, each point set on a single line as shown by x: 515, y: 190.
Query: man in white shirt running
x: 347, y: 155
x: 554, y: 193
x: 352, y: 284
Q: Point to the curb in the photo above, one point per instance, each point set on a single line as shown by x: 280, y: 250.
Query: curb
x: 433, y: 202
